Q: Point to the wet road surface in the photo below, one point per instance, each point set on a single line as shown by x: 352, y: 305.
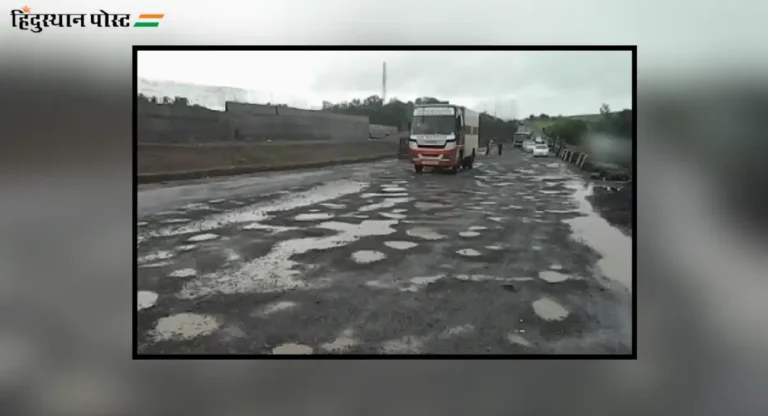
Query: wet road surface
x: 506, y: 258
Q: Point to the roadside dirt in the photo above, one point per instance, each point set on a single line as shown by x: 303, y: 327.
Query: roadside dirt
x: 614, y: 202
x: 157, y: 161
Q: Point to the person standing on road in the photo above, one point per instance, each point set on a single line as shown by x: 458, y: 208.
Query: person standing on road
x: 488, y: 149
x: 500, y: 145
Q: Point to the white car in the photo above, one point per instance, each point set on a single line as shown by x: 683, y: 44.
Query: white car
x: 528, y: 146
x: 541, y: 150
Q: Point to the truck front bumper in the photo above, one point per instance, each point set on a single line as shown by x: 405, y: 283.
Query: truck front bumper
x: 434, y: 157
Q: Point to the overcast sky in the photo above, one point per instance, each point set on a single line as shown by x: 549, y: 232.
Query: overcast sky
x: 512, y: 84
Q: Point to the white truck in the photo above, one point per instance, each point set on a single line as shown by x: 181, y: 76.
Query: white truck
x: 443, y: 136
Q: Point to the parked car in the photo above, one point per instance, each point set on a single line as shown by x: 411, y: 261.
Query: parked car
x: 541, y: 150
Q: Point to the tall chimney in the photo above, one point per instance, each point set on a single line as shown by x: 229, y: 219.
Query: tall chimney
x: 384, y: 83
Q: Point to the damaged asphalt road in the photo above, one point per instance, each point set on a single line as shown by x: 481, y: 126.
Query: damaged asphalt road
x: 506, y: 258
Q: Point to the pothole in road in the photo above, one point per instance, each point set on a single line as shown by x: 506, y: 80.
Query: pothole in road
x: 187, y: 247
x: 549, y: 310
x: 342, y: 343
x: 277, y: 271
x: 468, y: 252
x: 203, y: 237
x: 158, y: 264
x: 314, y: 216
x: 405, y: 345
x: 487, y: 278
x: 368, y: 256
x: 456, y: 331
x: 518, y: 339
x: 553, y: 276
x: 275, y: 229
x: 400, y: 245
x: 393, y: 189
x: 494, y: 248
x: 469, y: 234
x: 159, y: 255
x: 292, y: 349
x: 478, y: 228
x: 392, y: 215
x: 184, y: 326
x: 195, y: 206
x: 183, y: 273
x: 369, y: 195
x: 333, y: 206
x: 386, y: 203
x: 419, y: 282
x: 429, y: 205
x: 175, y: 220
x: 278, y: 307
x: 145, y: 299
x: 141, y: 223
x: 425, y: 233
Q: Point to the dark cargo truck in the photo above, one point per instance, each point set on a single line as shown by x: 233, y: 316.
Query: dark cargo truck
x: 519, y: 138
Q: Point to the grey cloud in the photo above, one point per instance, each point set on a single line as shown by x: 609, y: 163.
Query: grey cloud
x: 537, y: 81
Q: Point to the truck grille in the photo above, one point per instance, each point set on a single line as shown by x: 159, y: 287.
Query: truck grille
x: 431, y: 146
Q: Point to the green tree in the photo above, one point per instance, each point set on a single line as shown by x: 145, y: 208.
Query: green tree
x: 618, y: 124
x: 568, y: 129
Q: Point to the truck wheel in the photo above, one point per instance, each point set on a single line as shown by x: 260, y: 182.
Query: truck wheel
x: 418, y: 168
x: 455, y: 168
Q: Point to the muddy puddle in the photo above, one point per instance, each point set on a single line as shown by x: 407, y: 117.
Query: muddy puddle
x: 614, y: 246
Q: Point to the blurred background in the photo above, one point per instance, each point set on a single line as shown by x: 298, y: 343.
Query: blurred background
x: 66, y: 257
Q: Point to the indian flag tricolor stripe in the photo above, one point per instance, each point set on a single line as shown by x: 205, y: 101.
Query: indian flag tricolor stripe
x: 149, y: 20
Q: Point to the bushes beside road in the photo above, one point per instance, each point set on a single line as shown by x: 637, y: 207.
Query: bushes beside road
x: 599, y: 168
x: 601, y: 143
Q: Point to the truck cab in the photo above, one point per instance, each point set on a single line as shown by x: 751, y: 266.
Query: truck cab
x: 519, y: 138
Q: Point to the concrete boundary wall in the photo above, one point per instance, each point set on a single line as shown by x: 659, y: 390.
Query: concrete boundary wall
x: 379, y: 130
x: 240, y: 122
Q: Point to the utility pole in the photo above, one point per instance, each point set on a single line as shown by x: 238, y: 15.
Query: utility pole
x: 384, y: 83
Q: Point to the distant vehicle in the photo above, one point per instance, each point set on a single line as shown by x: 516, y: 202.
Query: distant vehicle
x: 528, y: 146
x: 443, y: 136
x: 538, y: 140
x: 541, y: 149
x: 519, y: 137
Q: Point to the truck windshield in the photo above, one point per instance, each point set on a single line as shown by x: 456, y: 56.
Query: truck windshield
x: 433, y: 125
